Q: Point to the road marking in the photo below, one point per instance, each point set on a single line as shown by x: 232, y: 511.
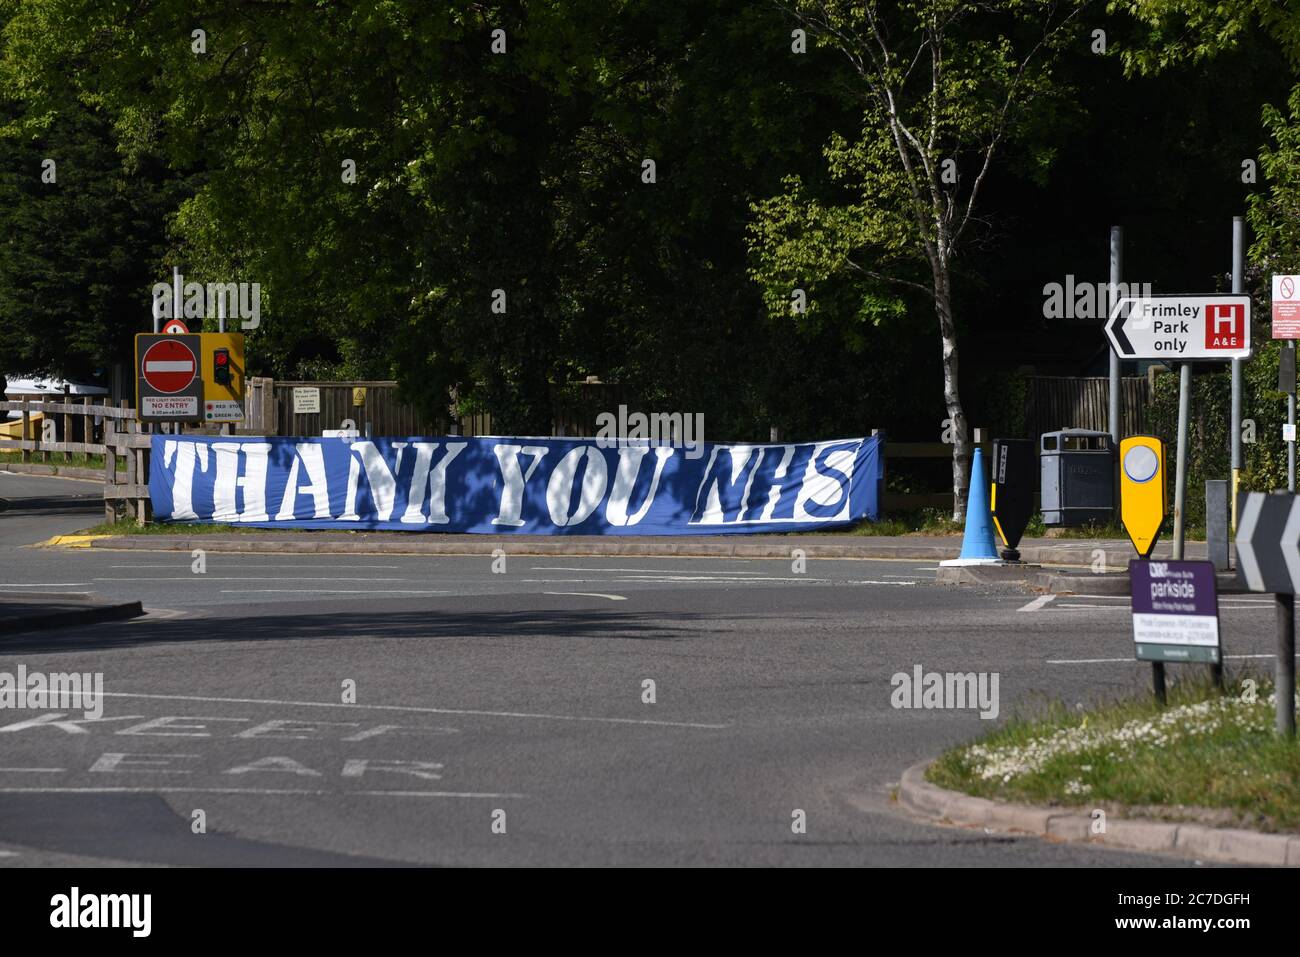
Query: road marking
x: 587, y: 594
x: 253, y: 578
x: 43, y: 584
x: 301, y: 791
x: 1037, y: 603
x: 331, y: 591
x: 653, y: 571
x: 181, y: 561
x: 1067, y: 604
x: 1100, y: 661
x: 35, y: 770
x: 412, y: 708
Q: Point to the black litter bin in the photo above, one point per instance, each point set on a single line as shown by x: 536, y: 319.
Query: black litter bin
x: 1078, y: 477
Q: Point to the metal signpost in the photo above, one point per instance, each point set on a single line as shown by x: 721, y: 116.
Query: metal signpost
x: 1268, y: 560
x: 1286, y: 325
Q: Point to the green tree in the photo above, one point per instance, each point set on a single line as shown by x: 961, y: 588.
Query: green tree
x: 944, y: 85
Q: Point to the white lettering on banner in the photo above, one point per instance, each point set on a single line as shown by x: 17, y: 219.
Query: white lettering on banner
x: 559, y: 490
x: 512, y: 495
x: 629, y: 468
x: 229, y: 479
x: 821, y: 488
x: 740, y: 486
x: 742, y: 458
x: 383, y: 483
x: 435, y: 478
x: 184, y: 455
x: 774, y: 493
x: 312, y: 457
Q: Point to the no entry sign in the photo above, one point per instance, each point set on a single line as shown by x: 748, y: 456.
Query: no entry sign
x: 169, y: 366
x: 168, y: 379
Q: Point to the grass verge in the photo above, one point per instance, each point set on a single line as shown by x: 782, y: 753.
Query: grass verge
x: 1207, y: 757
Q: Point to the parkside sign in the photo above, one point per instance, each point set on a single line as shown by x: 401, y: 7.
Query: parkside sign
x: 514, y: 485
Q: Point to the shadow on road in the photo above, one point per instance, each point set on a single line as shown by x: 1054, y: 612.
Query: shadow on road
x: 415, y: 625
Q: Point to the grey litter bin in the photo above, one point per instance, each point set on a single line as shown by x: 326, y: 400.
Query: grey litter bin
x: 1078, y: 477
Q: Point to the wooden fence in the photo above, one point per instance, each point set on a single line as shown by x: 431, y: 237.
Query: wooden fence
x: 1055, y: 403
x: 103, y: 429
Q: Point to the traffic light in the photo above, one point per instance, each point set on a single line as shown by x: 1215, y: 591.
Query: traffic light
x: 221, y: 367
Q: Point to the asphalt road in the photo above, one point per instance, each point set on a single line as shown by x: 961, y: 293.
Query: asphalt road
x: 517, y: 698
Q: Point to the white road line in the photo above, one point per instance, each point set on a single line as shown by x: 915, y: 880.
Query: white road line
x: 412, y: 708
x: 43, y: 584
x: 653, y: 571
x: 185, y: 560
x: 870, y: 581
x: 33, y: 770
x: 1066, y: 604
x: 587, y: 594
x: 252, y: 578
x: 300, y: 791
x: 1100, y: 661
x: 1037, y: 603
x: 330, y: 591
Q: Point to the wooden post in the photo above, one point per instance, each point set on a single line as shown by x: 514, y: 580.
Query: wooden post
x: 142, y: 476
x: 132, y: 427
x: 110, y: 465
x: 67, y: 424
x: 26, y: 455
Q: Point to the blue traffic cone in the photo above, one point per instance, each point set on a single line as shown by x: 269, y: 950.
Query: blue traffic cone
x: 978, y: 546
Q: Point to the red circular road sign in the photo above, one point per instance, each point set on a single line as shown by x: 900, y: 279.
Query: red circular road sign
x: 175, y: 327
x: 169, y: 366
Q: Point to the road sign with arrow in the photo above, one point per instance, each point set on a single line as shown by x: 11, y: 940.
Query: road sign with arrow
x: 1181, y: 328
x: 1268, y: 559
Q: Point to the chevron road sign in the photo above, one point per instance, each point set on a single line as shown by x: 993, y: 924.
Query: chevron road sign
x: 1268, y: 543
x: 1268, y: 559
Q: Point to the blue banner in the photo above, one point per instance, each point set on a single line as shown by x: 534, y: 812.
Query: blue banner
x: 505, y: 485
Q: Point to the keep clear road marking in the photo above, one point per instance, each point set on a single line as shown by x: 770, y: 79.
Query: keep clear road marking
x: 587, y: 594
x: 411, y: 708
x: 1037, y: 603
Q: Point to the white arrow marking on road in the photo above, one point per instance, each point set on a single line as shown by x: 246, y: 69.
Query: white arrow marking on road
x: 587, y: 594
x: 1291, y: 544
x: 1245, y: 550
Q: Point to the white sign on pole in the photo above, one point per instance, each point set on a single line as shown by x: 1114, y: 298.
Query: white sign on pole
x: 306, y: 399
x: 1181, y: 328
x: 1286, y: 307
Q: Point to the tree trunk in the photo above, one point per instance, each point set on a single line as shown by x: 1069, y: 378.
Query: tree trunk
x: 961, y: 449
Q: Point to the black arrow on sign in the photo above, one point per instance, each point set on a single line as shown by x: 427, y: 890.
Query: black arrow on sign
x: 1116, y: 328
x: 1268, y: 555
